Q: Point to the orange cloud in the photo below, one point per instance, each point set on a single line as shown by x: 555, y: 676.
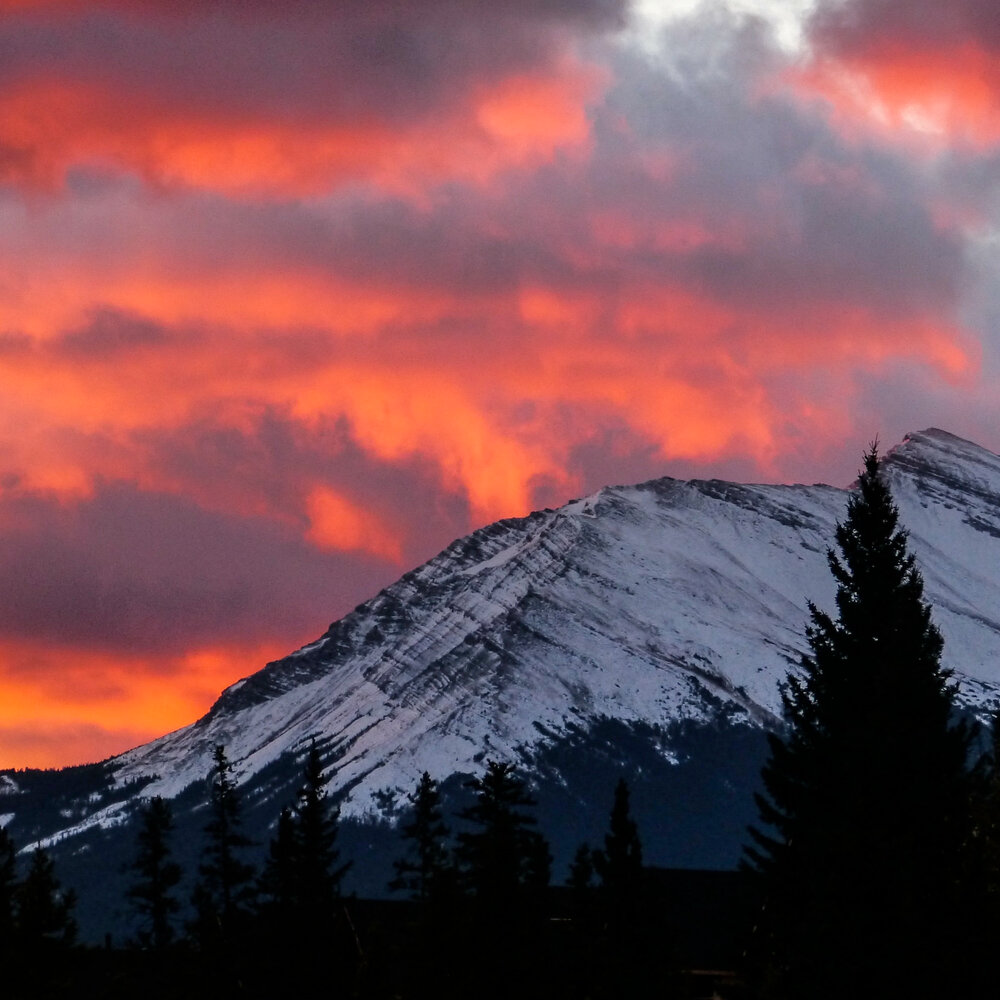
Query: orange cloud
x: 530, y: 118
x: 657, y: 357
x: 930, y: 98
x: 61, y: 706
x: 50, y: 126
x: 914, y: 66
x: 335, y: 522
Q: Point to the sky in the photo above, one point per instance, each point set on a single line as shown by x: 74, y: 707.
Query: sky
x: 292, y: 295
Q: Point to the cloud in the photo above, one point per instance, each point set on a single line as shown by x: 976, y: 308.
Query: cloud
x: 42, y: 743
x: 338, y: 523
x: 873, y: 25
x: 230, y: 97
x: 67, y: 704
x: 930, y: 69
x: 131, y: 570
x: 723, y: 237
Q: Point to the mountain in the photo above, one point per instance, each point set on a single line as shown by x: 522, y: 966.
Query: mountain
x: 643, y: 630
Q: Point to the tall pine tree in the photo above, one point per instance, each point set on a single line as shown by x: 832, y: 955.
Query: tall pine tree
x: 43, y: 910
x: 984, y: 858
x: 279, y: 880
x: 301, y: 881
x: 8, y: 881
x: 316, y: 823
x: 865, y: 815
x: 224, y: 890
x: 426, y: 870
x: 502, y: 854
x: 505, y: 863
x: 581, y: 870
x: 619, y: 865
x: 157, y: 875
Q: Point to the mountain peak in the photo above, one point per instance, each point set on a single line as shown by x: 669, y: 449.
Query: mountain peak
x: 935, y: 441
x: 941, y: 461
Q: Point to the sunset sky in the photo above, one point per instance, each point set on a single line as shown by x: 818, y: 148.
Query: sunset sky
x: 293, y: 294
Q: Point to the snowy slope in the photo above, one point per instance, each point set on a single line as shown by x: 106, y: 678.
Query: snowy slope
x: 652, y: 603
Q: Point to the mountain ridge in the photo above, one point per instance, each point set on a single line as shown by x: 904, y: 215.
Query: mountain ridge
x: 480, y: 615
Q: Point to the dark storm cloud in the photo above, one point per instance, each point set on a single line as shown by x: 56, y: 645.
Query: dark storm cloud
x: 140, y: 572
x: 468, y: 243
x: 110, y: 332
x: 867, y: 26
x: 315, y: 61
x: 816, y: 215
x: 275, y: 460
x: 793, y: 212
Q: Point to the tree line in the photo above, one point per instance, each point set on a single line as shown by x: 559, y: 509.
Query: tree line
x: 245, y: 931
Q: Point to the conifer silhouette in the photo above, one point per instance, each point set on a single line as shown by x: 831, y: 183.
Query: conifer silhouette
x: 867, y: 789
x: 987, y: 814
x: 619, y: 868
x: 619, y: 864
x: 496, y: 855
x: 581, y: 870
x: 156, y: 875
x: 318, y: 873
x: 8, y: 880
x: 43, y: 910
x: 279, y: 880
x: 425, y: 873
x: 224, y: 890
x: 300, y: 884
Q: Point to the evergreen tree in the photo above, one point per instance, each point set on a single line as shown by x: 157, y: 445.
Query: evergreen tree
x: 156, y: 875
x: 983, y: 874
x: 504, y: 864
x: 986, y: 814
x: 43, y: 911
x: 8, y: 881
x: 425, y: 871
x: 278, y: 882
x: 224, y: 889
x: 316, y: 821
x: 581, y: 870
x: 537, y: 863
x: 502, y: 852
x: 300, y: 884
x: 619, y: 865
x: 619, y: 868
x: 581, y: 884
x: 867, y: 788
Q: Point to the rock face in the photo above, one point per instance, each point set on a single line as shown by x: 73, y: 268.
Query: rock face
x: 666, y: 610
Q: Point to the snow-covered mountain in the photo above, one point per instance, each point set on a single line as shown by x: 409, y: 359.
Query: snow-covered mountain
x: 648, y: 603
x: 667, y: 609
